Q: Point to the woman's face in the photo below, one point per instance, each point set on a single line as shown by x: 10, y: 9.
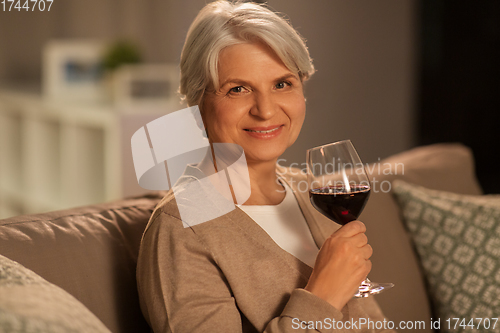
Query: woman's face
x: 260, y: 103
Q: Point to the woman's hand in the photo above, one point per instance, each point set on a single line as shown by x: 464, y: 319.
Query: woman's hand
x: 341, y: 265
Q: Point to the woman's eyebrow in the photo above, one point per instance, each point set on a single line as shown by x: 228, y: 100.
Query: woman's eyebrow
x: 234, y: 80
x: 243, y: 82
x: 286, y: 76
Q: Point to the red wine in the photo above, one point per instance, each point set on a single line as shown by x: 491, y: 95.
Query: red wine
x: 335, y: 203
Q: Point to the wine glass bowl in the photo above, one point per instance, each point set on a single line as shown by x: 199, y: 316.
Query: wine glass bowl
x: 339, y: 189
x: 338, y: 185
x: 347, y: 204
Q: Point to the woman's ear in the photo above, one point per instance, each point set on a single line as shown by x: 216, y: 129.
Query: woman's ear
x: 198, y: 116
x: 201, y: 124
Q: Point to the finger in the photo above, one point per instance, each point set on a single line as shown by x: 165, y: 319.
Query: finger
x: 363, y: 270
x: 352, y: 228
x: 359, y: 240
x: 367, y: 251
x: 368, y: 266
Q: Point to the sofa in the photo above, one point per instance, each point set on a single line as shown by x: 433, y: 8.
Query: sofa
x: 90, y: 252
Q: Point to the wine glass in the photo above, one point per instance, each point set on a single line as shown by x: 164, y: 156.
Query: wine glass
x: 339, y: 189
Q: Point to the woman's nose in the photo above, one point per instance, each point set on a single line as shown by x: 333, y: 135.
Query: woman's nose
x: 264, y: 107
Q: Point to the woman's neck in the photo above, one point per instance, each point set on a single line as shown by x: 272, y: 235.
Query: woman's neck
x: 264, y: 184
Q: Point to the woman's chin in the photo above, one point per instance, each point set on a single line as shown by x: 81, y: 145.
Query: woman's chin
x: 263, y: 156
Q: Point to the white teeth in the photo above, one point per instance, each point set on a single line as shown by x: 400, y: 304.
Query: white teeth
x: 268, y: 131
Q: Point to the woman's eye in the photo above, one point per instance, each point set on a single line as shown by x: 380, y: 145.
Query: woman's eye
x: 237, y: 90
x: 282, y: 85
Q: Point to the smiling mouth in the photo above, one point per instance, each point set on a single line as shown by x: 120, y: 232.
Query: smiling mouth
x: 266, y: 131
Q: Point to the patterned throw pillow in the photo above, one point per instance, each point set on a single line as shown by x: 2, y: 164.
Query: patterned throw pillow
x: 457, y: 238
x: 30, y: 304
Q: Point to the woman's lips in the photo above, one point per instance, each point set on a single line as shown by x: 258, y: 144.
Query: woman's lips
x: 267, y: 132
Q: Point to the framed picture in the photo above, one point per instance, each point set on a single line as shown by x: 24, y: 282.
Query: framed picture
x: 72, y: 70
x: 146, y: 84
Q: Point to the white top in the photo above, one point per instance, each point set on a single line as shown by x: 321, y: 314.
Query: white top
x: 287, y: 226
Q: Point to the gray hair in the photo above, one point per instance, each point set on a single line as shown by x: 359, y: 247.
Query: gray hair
x: 221, y: 24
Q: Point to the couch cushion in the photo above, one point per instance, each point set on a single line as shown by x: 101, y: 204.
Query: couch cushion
x: 91, y: 252
x: 448, y: 167
x: 29, y: 304
x: 457, y: 238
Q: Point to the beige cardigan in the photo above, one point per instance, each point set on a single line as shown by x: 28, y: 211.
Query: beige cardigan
x: 228, y: 275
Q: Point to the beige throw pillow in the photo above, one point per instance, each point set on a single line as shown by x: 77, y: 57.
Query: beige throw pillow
x: 30, y: 304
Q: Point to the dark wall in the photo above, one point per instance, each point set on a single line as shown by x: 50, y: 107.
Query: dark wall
x: 460, y: 80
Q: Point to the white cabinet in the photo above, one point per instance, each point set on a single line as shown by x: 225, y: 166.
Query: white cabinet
x: 56, y: 155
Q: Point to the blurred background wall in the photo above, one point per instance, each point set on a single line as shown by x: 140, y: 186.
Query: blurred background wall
x: 364, y: 51
x: 377, y: 64
x: 158, y: 26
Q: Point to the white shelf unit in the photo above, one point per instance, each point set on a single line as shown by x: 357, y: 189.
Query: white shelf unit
x: 56, y: 155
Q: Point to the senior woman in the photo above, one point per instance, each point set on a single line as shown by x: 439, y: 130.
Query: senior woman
x: 273, y: 264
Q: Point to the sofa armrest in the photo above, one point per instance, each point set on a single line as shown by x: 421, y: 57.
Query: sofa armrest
x: 91, y: 252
